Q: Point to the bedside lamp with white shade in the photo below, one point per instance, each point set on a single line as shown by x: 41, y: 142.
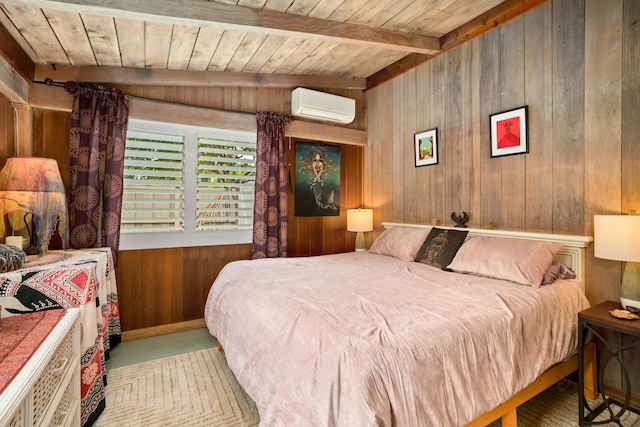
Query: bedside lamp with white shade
x: 616, y: 237
x: 360, y: 221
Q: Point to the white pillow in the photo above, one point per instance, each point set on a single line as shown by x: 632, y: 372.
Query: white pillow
x: 400, y: 242
x: 516, y: 260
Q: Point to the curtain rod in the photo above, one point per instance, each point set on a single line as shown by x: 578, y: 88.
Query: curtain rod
x: 50, y: 82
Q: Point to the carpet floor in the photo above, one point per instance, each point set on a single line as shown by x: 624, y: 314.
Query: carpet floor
x: 198, y: 389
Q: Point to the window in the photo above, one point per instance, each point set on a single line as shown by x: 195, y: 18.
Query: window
x: 153, y: 198
x: 186, y: 186
x: 226, y: 175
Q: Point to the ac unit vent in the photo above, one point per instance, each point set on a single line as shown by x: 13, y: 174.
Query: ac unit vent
x: 316, y: 105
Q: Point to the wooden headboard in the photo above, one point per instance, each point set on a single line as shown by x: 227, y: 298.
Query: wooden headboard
x: 572, y: 253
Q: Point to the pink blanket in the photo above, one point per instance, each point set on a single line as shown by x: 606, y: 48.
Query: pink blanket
x: 360, y: 339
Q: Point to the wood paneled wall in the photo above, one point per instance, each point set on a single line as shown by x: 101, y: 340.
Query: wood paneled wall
x: 327, y: 235
x: 576, y: 64
x: 166, y: 286
x: 7, y: 129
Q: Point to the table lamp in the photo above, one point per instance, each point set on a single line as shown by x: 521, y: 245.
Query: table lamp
x: 33, y: 185
x: 360, y: 221
x: 616, y: 238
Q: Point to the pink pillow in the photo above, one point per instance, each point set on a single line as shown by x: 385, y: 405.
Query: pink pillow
x: 400, y: 242
x: 516, y: 260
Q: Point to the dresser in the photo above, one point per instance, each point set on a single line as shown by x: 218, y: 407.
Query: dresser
x: 82, y: 278
x: 45, y: 389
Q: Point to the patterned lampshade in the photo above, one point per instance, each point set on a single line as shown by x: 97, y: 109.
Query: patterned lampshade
x: 34, y: 185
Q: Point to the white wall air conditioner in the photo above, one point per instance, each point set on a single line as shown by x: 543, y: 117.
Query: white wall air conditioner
x: 316, y: 105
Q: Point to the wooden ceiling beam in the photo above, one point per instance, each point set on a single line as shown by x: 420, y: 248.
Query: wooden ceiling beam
x: 12, y: 84
x: 11, y: 51
x: 400, y: 66
x: 240, y: 18
x: 159, y: 77
x: 484, y: 23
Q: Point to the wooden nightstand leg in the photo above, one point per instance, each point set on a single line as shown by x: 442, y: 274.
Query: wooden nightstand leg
x: 590, y: 372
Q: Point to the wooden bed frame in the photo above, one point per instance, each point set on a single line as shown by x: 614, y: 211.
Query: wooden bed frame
x: 507, y: 410
x: 572, y: 255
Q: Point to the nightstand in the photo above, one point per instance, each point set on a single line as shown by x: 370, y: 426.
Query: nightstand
x: 599, y: 317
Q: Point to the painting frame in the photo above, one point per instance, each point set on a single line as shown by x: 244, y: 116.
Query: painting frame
x: 509, y: 132
x: 425, y: 147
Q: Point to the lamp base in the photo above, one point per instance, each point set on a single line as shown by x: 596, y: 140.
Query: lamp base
x: 360, y: 246
x: 630, y: 305
x: 32, y: 250
x: 630, y: 289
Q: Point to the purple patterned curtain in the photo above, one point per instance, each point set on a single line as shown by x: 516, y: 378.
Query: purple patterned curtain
x: 99, y: 120
x: 270, y: 215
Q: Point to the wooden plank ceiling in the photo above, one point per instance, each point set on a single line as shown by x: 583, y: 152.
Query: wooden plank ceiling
x: 316, y: 43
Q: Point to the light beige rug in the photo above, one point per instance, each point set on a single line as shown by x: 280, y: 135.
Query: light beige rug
x: 198, y: 389
x: 192, y: 389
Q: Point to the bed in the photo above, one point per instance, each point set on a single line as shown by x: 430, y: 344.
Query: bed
x: 63, y: 279
x: 376, y: 338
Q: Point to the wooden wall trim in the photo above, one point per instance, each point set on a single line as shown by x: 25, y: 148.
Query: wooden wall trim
x: 190, y: 115
x: 55, y: 98
x: 162, y: 329
x: 488, y: 21
x: 157, y: 77
x: 326, y: 133
x: 50, y: 98
x: 12, y: 84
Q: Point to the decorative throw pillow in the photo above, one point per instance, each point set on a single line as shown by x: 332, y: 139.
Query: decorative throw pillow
x: 557, y: 271
x: 11, y: 258
x: 440, y: 247
x: 516, y: 260
x: 400, y: 242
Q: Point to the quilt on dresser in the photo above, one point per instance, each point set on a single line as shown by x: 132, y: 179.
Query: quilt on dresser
x: 370, y: 340
x: 64, y: 279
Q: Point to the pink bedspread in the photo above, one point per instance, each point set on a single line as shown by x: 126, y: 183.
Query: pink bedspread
x: 368, y: 340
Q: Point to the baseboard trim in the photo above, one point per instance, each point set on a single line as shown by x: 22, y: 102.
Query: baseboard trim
x: 162, y: 329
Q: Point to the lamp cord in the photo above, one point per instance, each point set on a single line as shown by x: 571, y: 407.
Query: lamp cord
x: 26, y: 225
x: 17, y: 124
